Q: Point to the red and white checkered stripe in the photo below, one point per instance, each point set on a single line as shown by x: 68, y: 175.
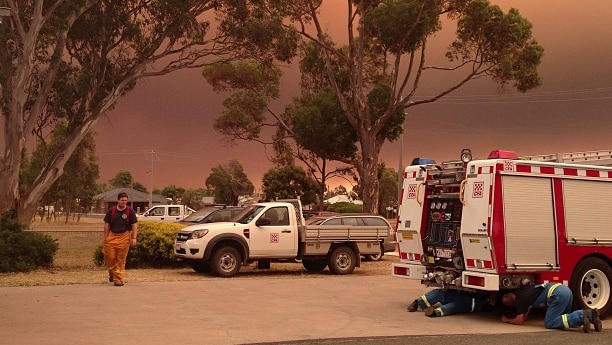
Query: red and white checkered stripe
x: 562, y: 171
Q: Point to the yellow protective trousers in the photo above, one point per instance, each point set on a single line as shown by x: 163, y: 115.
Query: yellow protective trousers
x: 116, y: 246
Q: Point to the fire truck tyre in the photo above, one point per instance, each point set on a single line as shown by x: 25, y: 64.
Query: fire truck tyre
x: 200, y: 266
x: 226, y: 262
x: 314, y: 265
x: 342, y: 260
x: 591, y: 285
x: 375, y: 257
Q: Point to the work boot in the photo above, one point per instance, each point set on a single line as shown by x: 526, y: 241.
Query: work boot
x: 586, y: 325
x: 118, y: 283
x: 414, y: 306
x: 596, y: 320
x: 431, y: 312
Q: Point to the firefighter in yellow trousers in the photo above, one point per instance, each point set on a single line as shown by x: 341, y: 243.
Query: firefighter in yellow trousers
x: 120, y: 232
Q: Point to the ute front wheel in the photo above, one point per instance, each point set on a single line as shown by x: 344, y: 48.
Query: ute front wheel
x: 342, y: 260
x: 226, y: 262
x: 591, y: 285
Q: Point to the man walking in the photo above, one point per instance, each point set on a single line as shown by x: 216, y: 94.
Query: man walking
x: 557, y: 299
x: 120, y: 231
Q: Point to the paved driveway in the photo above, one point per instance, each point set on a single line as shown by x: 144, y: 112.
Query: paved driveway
x: 228, y: 311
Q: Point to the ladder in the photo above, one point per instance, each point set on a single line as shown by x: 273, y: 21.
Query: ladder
x: 601, y: 158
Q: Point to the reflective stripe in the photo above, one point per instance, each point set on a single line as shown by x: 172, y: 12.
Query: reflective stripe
x: 473, y: 304
x: 551, y: 289
x: 440, y: 310
x: 424, y: 298
x: 565, y: 322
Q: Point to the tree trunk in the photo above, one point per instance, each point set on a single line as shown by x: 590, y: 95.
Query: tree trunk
x: 368, y: 174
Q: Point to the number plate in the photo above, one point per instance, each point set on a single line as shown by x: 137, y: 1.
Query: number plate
x: 407, y: 235
x: 444, y: 253
x: 177, y: 246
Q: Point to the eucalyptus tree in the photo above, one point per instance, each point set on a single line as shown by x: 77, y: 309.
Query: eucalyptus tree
x: 376, y: 72
x: 289, y: 182
x: 228, y: 183
x: 385, y: 47
x: 74, y: 59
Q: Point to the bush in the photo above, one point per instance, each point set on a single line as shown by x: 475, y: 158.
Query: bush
x: 22, y: 251
x: 344, y: 207
x: 154, y: 248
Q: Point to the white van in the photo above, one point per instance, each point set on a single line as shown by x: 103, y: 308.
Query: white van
x: 167, y: 213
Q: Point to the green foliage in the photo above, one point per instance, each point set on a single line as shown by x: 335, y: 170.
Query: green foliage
x: 22, y: 251
x: 173, y: 192
x: 154, y: 248
x: 344, y: 207
x: 83, y: 56
x: 401, y: 26
x: 289, y: 182
x: 502, y: 41
x: 379, y: 99
x: 123, y: 179
x: 319, y: 126
x: 387, y: 182
x: 193, y: 197
x: 228, y: 182
x: 243, y: 112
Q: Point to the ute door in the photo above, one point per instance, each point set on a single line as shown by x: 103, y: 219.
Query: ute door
x: 276, y: 237
x: 174, y: 214
x: 155, y: 213
x: 410, y: 214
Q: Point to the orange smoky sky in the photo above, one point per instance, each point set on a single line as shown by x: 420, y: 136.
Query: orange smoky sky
x: 162, y: 131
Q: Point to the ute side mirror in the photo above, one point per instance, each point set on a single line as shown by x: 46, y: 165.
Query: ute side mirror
x: 263, y: 221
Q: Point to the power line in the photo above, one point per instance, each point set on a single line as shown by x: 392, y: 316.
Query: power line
x: 540, y: 97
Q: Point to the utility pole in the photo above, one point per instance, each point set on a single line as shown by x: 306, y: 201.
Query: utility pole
x: 400, y: 169
x: 152, y: 153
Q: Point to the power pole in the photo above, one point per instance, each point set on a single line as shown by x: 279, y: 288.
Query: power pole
x: 152, y: 153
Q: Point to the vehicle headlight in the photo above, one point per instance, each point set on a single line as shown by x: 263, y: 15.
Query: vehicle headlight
x: 198, y: 233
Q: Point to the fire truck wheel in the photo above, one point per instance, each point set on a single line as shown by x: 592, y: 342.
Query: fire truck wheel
x: 342, y: 260
x: 226, y: 262
x: 591, y: 285
x: 314, y: 265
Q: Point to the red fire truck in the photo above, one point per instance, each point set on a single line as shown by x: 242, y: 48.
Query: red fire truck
x: 502, y: 222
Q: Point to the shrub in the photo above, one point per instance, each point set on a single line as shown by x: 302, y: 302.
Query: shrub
x: 22, y: 251
x: 344, y: 207
x: 154, y: 248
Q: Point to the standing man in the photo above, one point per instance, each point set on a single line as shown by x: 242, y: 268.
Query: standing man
x: 557, y: 299
x: 120, y: 231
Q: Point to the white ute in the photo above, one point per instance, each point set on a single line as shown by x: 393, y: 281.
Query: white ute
x: 276, y: 231
x: 167, y: 213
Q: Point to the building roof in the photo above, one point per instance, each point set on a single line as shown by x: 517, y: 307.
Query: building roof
x: 343, y: 198
x: 133, y: 196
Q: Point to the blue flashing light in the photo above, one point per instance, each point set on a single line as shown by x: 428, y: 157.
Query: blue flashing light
x: 422, y: 161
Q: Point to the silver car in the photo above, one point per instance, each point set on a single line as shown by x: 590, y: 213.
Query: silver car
x: 360, y: 219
